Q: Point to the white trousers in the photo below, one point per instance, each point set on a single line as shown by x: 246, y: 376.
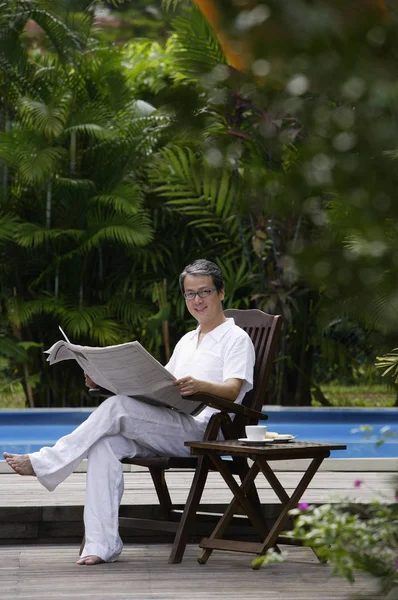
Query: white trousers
x: 119, y: 427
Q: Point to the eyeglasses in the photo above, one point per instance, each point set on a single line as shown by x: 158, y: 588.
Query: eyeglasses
x: 200, y: 293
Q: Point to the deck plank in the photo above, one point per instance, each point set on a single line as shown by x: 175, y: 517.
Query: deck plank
x: 142, y: 573
x: 326, y: 486
x: 47, y: 570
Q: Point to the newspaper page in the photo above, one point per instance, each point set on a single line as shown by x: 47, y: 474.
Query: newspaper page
x: 126, y: 369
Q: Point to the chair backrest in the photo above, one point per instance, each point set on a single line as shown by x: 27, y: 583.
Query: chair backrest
x: 264, y: 331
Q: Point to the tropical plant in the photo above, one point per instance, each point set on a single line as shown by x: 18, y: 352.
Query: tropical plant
x: 72, y: 211
x: 351, y: 536
x: 354, y: 537
x: 256, y: 169
x: 223, y: 177
x: 307, y: 140
x: 389, y: 362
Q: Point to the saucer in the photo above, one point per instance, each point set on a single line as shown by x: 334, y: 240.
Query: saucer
x: 254, y: 442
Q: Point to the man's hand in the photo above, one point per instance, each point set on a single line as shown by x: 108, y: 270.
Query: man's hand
x: 189, y: 385
x: 89, y: 382
x: 229, y: 389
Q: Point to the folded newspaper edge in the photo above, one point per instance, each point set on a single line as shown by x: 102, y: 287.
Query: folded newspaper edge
x: 126, y: 369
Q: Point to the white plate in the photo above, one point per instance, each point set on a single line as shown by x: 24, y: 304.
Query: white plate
x: 284, y: 438
x: 255, y: 442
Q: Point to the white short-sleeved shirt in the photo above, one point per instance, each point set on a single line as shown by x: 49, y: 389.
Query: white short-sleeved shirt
x: 225, y: 352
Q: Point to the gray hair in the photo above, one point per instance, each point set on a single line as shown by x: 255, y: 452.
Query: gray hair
x: 204, y: 268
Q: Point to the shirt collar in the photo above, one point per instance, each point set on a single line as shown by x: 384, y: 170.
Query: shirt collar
x: 218, y: 332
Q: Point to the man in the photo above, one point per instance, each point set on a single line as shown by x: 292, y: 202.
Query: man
x: 217, y: 358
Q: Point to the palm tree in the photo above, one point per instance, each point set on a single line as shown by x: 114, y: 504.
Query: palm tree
x: 75, y: 156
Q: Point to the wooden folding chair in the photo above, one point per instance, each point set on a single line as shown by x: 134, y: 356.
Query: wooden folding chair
x: 264, y: 331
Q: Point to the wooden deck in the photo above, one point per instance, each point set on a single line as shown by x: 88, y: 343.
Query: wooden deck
x: 326, y: 486
x: 28, y: 512
x: 37, y: 556
x: 142, y: 573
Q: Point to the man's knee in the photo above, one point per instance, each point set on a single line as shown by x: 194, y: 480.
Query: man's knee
x: 115, y: 404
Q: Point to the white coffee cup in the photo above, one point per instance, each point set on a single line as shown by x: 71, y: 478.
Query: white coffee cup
x: 256, y: 433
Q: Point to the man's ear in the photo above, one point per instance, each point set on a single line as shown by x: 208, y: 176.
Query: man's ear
x: 222, y: 294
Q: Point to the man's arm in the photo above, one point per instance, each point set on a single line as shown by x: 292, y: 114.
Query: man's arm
x: 229, y: 389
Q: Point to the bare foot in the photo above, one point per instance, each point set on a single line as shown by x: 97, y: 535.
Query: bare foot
x: 20, y: 463
x: 90, y: 560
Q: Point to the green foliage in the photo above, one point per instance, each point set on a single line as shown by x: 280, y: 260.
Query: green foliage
x: 345, y: 351
x: 352, y: 537
x: 150, y: 67
x: 207, y: 195
x: 73, y: 159
x: 196, y: 48
x: 311, y: 127
x: 120, y: 164
x: 389, y: 362
x: 11, y: 390
x: 371, y: 396
x: 133, y: 19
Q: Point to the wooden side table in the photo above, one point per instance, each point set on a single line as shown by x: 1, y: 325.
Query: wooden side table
x: 261, y: 455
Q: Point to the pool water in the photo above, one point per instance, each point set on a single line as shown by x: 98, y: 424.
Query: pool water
x: 341, y: 425
x: 28, y: 430
x: 23, y: 431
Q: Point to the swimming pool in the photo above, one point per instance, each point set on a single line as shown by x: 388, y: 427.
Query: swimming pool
x: 28, y: 430
x: 341, y: 425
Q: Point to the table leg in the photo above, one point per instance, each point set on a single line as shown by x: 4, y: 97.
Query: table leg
x: 292, y: 502
x: 240, y: 497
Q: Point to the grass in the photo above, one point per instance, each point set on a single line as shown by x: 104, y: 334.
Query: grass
x: 358, y: 395
x: 14, y: 398
x: 337, y: 395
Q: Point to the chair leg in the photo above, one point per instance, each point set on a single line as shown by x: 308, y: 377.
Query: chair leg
x: 196, y: 491
x: 188, y: 515
x: 159, y: 481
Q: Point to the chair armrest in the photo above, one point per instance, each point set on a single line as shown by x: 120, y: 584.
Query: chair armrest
x: 228, y: 405
x: 208, y: 399
x: 99, y: 392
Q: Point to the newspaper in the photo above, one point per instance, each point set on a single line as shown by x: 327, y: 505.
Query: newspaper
x: 126, y: 369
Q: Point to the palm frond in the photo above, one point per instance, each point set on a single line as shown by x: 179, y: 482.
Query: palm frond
x: 389, y: 362
x: 38, y: 167
x: 237, y: 277
x: 80, y: 321
x: 120, y: 234
x: 22, y: 312
x: 12, y: 348
x: 196, y: 190
x: 172, y: 4
x: 195, y: 46
x: 384, y: 309
x: 29, y: 153
x: 129, y: 308
x: 92, y: 130
x: 73, y: 186
x: 64, y: 39
x: 127, y: 230
x: 8, y: 225
x: 93, y: 118
x: 48, y: 119
x: 125, y: 199
x: 106, y: 332
x: 31, y: 235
